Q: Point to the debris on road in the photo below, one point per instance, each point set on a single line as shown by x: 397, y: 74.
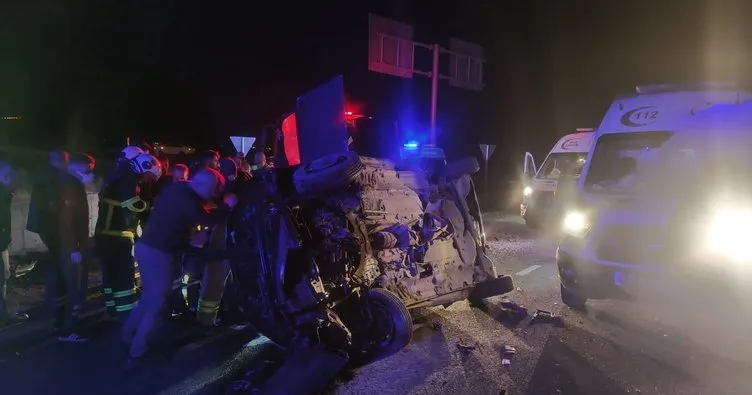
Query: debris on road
x: 509, y: 350
x: 437, y: 326
x: 466, y: 347
x: 506, y: 362
x: 512, y: 313
x: 543, y: 315
x: 546, y: 317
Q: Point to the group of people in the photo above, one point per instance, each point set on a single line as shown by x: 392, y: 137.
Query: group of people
x: 148, y: 220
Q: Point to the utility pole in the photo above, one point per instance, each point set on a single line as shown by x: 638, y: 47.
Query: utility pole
x: 391, y: 50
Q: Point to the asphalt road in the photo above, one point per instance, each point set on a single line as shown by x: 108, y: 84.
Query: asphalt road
x: 615, y: 348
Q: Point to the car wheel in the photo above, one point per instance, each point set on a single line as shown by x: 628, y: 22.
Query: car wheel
x: 572, y: 299
x: 391, y: 326
x: 327, y: 173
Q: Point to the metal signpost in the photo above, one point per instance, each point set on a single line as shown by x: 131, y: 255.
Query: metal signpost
x: 391, y: 50
x: 487, y: 150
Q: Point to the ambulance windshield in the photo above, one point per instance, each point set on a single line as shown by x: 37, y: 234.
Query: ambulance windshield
x: 617, y: 157
x: 563, y: 163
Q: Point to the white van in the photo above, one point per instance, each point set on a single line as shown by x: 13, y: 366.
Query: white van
x: 567, y: 158
x: 663, y: 162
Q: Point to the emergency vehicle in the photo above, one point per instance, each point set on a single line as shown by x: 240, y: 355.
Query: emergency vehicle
x: 566, y: 158
x: 663, y: 196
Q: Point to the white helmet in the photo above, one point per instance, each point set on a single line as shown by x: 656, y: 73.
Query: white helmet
x: 145, y: 164
x: 130, y: 152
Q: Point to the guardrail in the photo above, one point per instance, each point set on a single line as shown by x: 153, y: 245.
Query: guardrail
x: 23, y: 241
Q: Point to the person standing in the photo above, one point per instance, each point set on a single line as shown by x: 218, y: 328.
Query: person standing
x: 120, y: 204
x: 64, y: 280
x: 179, y: 209
x: 6, y: 196
x: 42, y: 218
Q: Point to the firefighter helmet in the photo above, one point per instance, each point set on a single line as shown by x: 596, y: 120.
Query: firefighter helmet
x: 130, y: 152
x: 145, y: 164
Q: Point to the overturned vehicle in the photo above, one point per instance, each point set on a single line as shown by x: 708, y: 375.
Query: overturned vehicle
x: 354, y: 244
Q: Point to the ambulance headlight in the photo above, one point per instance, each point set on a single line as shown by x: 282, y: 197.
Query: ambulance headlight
x: 527, y: 191
x: 728, y: 234
x: 576, y: 223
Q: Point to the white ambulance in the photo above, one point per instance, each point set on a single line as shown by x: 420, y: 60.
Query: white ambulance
x: 665, y: 194
x: 565, y: 160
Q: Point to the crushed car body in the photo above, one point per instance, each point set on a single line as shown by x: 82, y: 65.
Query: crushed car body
x: 353, y: 244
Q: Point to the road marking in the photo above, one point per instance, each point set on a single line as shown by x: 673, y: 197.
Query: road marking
x: 528, y: 270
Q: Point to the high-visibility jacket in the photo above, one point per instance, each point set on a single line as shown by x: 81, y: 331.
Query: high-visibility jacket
x: 120, y: 205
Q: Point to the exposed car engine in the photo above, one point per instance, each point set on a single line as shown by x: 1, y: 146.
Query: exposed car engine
x: 414, y: 238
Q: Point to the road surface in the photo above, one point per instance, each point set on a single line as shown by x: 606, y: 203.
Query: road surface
x: 614, y: 348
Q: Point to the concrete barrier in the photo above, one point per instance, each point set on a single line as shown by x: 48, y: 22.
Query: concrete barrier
x: 23, y: 241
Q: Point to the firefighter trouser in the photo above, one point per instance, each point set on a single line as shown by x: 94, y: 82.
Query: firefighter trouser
x: 214, y: 279
x: 118, y: 274
x: 186, y: 297
x: 157, y: 269
x: 4, y: 277
x: 64, y: 288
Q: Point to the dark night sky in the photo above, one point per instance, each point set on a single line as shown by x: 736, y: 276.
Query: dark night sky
x: 83, y: 71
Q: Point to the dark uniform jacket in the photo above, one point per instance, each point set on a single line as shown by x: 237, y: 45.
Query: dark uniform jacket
x: 120, y: 204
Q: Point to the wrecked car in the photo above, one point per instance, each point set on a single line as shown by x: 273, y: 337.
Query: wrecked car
x: 354, y: 244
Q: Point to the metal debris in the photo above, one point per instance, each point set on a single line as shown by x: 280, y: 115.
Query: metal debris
x: 506, y: 362
x: 512, y: 312
x: 509, y: 350
x: 543, y: 315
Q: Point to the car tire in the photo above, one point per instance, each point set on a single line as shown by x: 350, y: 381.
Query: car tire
x: 572, y: 299
x: 326, y: 173
x: 391, y: 315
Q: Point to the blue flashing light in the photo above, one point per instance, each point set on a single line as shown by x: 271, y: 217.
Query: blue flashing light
x: 411, y: 145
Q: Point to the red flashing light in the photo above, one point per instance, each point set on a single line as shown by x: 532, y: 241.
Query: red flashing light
x: 348, y: 113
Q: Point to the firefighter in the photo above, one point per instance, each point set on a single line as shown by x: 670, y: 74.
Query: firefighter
x: 117, y: 227
x: 216, y: 272
x: 65, y: 279
x: 179, y: 209
x: 202, y: 304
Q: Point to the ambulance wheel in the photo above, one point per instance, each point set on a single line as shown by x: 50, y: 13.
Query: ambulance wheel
x: 391, y: 326
x: 327, y: 173
x: 572, y: 299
